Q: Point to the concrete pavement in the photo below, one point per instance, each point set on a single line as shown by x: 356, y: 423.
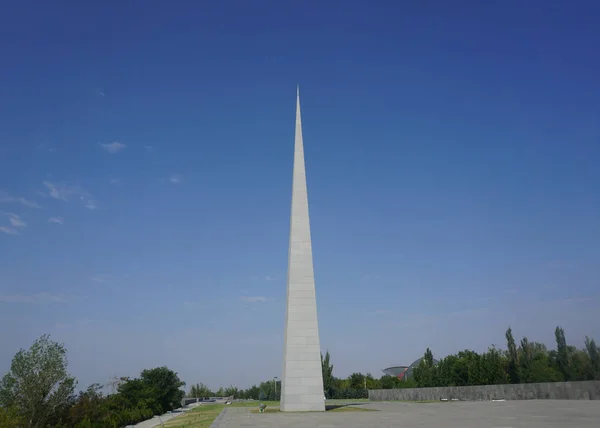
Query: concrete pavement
x: 484, y: 414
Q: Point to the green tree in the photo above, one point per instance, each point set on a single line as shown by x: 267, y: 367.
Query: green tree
x: 392, y: 382
x: 494, y: 367
x: 89, y: 405
x: 327, y: 368
x: 448, y: 373
x: 252, y: 392
x: 165, y: 386
x: 136, y: 392
x: 200, y: 391
x: 525, y: 361
x: 232, y: 391
x: 371, y: 382
x: 563, y: 353
x: 536, y: 364
x: 356, y: 381
x: 580, y: 364
x: 424, y: 373
x: 38, y: 385
x: 10, y: 418
x: 594, y: 354
x: 513, y: 358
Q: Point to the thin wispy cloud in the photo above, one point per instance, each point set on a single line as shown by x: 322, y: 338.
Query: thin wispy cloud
x: 66, y: 192
x: 271, y: 278
x: 100, y: 278
x: 566, y: 300
x: 114, y: 181
x: 56, y: 220
x: 114, y: 147
x: 5, y: 197
x: 16, y: 221
x: 255, y: 299
x: 149, y: 148
x: 176, y: 178
x: 33, y: 298
x: 9, y: 230
x: 382, y: 311
x: 46, y: 147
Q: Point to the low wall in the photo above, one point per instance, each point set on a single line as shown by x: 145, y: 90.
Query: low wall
x: 588, y: 390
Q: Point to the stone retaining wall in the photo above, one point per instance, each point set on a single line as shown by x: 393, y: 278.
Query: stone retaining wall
x: 588, y: 390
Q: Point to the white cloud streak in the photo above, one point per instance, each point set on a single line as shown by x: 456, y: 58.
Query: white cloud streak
x: 65, y: 192
x: 33, y: 298
x: 5, y: 197
x: 114, y: 147
x: 9, y: 230
x: 15, y: 223
x: 176, y: 178
x: 15, y: 220
x: 56, y: 220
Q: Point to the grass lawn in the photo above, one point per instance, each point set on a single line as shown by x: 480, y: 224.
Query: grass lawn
x: 203, y: 416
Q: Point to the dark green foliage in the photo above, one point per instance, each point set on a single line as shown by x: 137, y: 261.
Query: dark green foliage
x: 513, y: 358
x: 37, y: 387
x: 349, y: 394
x: 38, y: 392
x: 357, y: 381
x: 328, y: 381
x: 136, y: 400
x: 531, y: 362
x: 200, y: 391
x: 593, y: 372
x: 425, y: 373
x: 10, y: 418
x: 562, y: 351
x: 163, y: 386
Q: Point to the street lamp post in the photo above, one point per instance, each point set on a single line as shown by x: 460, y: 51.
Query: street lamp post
x: 275, y: 384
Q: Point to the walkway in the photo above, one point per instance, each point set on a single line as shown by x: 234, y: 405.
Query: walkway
x: 507, y: 414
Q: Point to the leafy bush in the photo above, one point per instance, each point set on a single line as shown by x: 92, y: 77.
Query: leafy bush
x: 349, y: 394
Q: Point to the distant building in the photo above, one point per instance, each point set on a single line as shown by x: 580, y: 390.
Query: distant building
x: 404, y: 372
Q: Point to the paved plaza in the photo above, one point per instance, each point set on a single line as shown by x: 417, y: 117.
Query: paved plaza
x: 488, y: 414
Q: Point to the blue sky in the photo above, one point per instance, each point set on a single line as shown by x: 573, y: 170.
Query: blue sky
x: 452, y: 154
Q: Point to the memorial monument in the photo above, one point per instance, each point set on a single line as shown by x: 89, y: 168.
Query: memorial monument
x: 302, y: 380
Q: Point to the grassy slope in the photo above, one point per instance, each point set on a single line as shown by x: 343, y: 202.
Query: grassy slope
x: 204, y: 415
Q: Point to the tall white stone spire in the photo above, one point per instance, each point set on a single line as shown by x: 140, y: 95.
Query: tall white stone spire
x: 302, y: 380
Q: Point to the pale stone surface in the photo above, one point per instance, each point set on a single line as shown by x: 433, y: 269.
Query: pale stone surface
x: 302, y: 379
x: 488, y: 414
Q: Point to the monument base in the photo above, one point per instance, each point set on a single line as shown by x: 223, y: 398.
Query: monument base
x: 303, y: 407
